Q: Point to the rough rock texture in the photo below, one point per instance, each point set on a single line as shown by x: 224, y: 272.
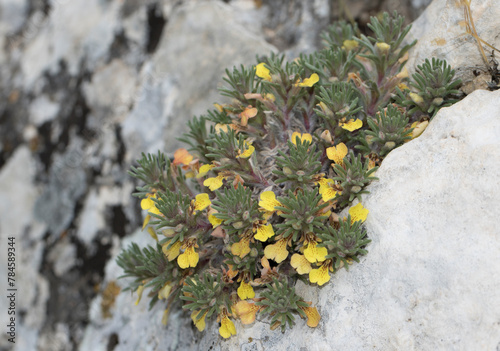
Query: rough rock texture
x: 81, y: 96
x: 441, y: 33
x: 431, y: 272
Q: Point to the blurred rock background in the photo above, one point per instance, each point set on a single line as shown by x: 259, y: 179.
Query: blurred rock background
x: 85, y: 87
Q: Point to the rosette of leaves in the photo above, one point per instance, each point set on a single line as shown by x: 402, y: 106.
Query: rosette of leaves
x: 345, y: 243
x: 383, y: 58
x: 281, y: 302
x: 353, y: 176
x: 236, y: 208
x: 300, y: 167
x: 302, y: 213
x: 149, y: 268
x: 432, y: 87
x: 207, y: 294
x: 338, y: 103
x: 386, y: 131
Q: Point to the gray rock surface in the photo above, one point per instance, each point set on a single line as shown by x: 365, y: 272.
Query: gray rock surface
x: 441, y: 33
x: 431, y: 271
x: 81, y: 96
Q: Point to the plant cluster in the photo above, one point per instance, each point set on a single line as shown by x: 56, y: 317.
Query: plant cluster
x: 255, y: 203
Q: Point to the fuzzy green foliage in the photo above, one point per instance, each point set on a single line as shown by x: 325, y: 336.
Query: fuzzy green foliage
x: 433, y: 87
x: 259, y: 200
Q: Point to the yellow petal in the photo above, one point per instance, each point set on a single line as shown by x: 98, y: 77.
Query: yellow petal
x: 268, y: 201
x: 358, y: 213
x: 152, y: 233
x: 249, y: 149
x: 164, y: 292
x: 419, y: 129
x: 246, y: 311
x: 300, y: 263
x: 303, y: 137
x: 309, y: 82
x: 241, y: 248
x: 173, y: 251
x: 227, y: 328
x: 313, y: 316
x: 139, y: 290
x: 164, y: 318
x: 315, y: 254
x: 264, y: 232
x: 245, y: 291
x: 147, y: 203
x: 214, y: 183
x: 199, y: 320
x: 146, y: 221
x: 202, y: 201
x: 352, y: 125
x: 319, y: 275
x: 262, y: 71
x: 204, y: 170
x: 189, y: 258
x: 214, y: 221
x: 337, y: 153
x: 278, y: 251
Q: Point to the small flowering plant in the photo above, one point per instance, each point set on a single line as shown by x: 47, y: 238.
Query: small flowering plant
x: 255, y: 203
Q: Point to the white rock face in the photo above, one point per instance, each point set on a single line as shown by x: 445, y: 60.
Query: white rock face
x: 441, y: 33
x: 430, y: 280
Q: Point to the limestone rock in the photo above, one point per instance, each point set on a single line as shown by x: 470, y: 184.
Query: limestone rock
x: 180, y: 88
x: 441, y: 33
x: 431, y: 270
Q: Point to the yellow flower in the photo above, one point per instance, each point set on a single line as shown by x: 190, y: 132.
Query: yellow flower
x: 300, y: 263
x: 249, y: 149
x: 313, y: 316
x: 202, y: 201
x: 152, y: 233
x: 248, y: 112
x: 277, y: 251
x: 326, y: 189
x: 227, y: 327
x: 214, y: 220
x: 268, y: 201
x: 337, y: 153
x: 319, y: 275
x: 149, y: 204
x: 164, y: 318
x: 241, y: 248
x: 315, y: 254
x: 214, y: 183
x: 182, y: 156
x: 245, y: 291
x: 139, y: 290
x: 419, y: 129
x: 264, y: 232
x: 173, y: 251
x: 308, y: 82
x: 350, y: 44
x: 199, y: 321
x: 352, y: 125
x: 262, y: 71
x: 165, y: 291
x: 189, y: 258
x: 204, y: 170
x: 417, y: 99
x: 358, y: 213
x: 303, y: 137
x: 246, y: 311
